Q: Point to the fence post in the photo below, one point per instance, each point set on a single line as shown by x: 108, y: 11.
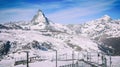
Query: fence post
x: 27, y: 59
x: 66, y: 56
x: 56, y: 57
x: 77, y: 64
x: 98, y: 57
x: 73, y: 58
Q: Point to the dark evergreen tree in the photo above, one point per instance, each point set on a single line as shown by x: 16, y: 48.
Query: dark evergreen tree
x: 7, y: 47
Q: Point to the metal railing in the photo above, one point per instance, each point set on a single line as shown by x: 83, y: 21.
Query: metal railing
x: 81, y: 59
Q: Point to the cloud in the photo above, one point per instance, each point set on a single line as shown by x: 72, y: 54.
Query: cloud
x: 64, y: 11
x: 16, y: 14
x: 84, y: 9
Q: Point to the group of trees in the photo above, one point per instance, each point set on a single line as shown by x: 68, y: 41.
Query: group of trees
x: 5, y: 48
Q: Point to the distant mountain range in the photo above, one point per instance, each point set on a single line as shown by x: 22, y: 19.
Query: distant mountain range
x: 42, y: 35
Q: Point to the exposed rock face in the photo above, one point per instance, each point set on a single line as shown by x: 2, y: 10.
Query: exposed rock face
x: 113, y: 43
x: 39, y: 22
x: 40, y: 18
x: 3, y: 27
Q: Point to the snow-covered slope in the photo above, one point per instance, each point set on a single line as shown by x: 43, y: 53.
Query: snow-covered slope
x: 61, y: 41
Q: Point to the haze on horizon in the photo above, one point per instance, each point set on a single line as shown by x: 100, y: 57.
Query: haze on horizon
x: 59, y: 11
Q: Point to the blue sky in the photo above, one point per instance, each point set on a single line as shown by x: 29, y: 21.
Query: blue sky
x: 59, y: 11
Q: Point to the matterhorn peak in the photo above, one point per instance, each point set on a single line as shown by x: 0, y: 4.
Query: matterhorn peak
x: 40, y: 13
x: 39, y: 18
x: 106, y: 18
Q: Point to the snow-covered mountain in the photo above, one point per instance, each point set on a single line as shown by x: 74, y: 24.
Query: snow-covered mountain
x: 102, y: 27
x: 39, y: 22
x: 40, y: 18
x: 42, y: 35
x: 101, y: 30
x: 42, y: 23
x: 41, y: 38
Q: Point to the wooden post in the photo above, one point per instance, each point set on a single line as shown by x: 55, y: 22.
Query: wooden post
x: 27, y: 59
x: 73, y: 58
x: 56, y: 58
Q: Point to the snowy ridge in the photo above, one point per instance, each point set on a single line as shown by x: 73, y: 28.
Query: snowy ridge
x: 104, y: 26
x: 105, y: 18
